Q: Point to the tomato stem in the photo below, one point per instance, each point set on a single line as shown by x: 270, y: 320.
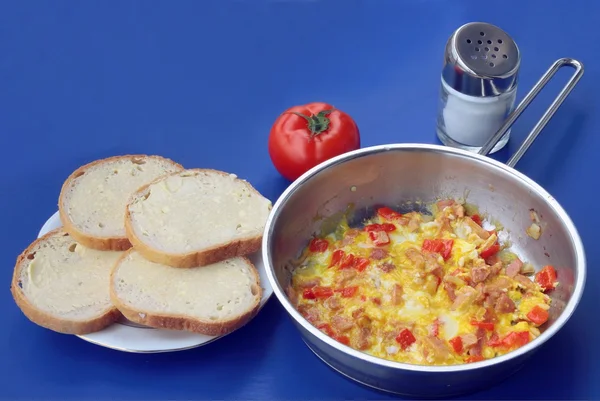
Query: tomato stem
x: 318, y: 123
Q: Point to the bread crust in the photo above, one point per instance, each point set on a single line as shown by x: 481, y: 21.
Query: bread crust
x: 85, y: 239
x: 45, y: 319
x: 182, y: 322
x: 200, y: 258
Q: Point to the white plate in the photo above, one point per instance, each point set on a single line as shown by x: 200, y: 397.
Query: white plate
x: 131, y: 337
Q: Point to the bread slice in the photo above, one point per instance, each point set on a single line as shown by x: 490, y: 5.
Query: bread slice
x: 211, y: 300
x: 92, y: 200
x: 64, y: 286
x: 195, y: 218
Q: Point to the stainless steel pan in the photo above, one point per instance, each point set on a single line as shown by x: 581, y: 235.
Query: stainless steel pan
x: 399, y: 175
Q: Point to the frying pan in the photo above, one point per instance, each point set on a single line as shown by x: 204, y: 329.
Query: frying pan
x: 409, y: 175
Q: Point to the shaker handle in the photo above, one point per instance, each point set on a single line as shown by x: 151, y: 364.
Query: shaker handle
x: 566, y: 90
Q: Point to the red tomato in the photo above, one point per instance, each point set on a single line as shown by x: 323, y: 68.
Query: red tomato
x: 361, y: 264
x: 405, y: 339
x: 348, y: 261
x: 348, y: 292
x: 379, y: 237
x: 388, y: 214
x: 318, y: 245
x: 387, y: 227
x: 441, y: 246
x: 326, y: 328
x: 337, y: 256
x: 492, y: 250
x: 477, y: 219
x: 494, y: 340
x: 484, y: 325
x: 457, y: 344
x: 546, y: 278
x: 538, y: 315
x: 307, y: 135
x: 342, y: 339
x: 317, y: 292
x: 516, y: 338
x: 474, y: 358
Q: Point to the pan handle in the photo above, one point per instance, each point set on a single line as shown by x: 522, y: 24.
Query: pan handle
x: 566, y: 90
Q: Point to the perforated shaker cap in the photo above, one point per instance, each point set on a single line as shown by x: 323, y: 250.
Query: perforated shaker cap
x: 481, y: 60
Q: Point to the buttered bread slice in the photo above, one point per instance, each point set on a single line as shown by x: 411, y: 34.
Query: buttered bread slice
x: 92, y: 200
x: 64, y: 286
x: 211, y: 300
x: 195, y: 218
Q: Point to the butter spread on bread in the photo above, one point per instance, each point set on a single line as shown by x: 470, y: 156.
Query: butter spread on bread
x: 93, y: 199
x: 195, y: 218
x: 64, y: 286
x: 211, y: 300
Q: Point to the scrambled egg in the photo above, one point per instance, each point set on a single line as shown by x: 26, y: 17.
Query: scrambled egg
x: 423, y: 289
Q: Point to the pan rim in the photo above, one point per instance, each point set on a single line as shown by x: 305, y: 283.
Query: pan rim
x: 531, y: 346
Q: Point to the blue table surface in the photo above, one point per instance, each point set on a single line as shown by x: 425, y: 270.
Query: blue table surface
x: 201, y: 82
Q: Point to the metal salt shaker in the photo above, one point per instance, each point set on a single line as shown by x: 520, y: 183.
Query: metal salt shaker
x: 478, y: 86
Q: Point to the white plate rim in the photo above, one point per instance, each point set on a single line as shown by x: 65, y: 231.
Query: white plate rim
x: 127, y: 338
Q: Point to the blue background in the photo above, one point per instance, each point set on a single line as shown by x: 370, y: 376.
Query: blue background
x: 201, y: 82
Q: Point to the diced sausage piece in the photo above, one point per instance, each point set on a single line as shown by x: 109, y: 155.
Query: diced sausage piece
x: 499, y: 284
x: 415, y: 221
x: 432, y: 262
x: 477, y: 348
x: 416, y: 257
x: 477, y: 229
x: 349, y: 236
x: 432, y: 282
x: 468, y: 340
x: 357, y: 313
x: 378, y: 253
x: 496, y: 268
x: 479, y: 274
x: 491, y: 298
x: 444, y: 222
x: 458, y: 210
x: 450, y: 290
x: 333, y: 303
x: 444, y: 203
x: 363, y: 341
x: 480, y: 293
x: 504, y: 304
x: 309, y: 283
x: 490, y: 316
x: 363, y: 321
x: 402, y: 220
x: 341, y: 323
x: 514, y: 268
x: 397, y: 294
x: 465, y: 296
x: 525, y: 282
x: 310, y: 313
x: 387, y: 267
x: 436, y: 347
x: 492, y: 260
x: 345, y: 276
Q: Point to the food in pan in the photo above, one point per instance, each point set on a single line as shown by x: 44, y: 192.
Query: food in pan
x: 419, y: 288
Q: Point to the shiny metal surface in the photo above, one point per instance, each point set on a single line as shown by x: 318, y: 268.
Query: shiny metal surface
x: 481, y: 60
x: 404, y: 175
x: 558, y: 64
